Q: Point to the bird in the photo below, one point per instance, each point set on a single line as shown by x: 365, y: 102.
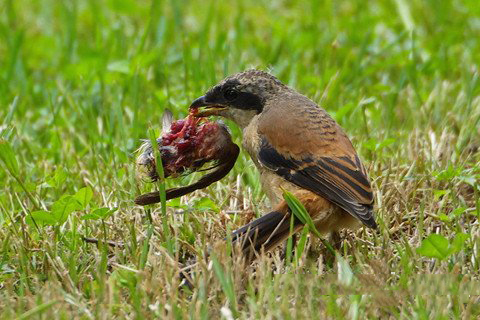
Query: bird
x: 296, y: 147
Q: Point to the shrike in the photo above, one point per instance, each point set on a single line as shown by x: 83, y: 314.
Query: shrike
x: 298, y: 147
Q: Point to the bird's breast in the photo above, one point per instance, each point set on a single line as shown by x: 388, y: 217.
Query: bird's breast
x: 273, y: 185
x: 251, y: 140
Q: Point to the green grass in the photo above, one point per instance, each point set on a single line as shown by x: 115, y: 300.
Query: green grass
x: 82, y: 81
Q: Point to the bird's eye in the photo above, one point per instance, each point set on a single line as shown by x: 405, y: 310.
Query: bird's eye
x: 230, y: 94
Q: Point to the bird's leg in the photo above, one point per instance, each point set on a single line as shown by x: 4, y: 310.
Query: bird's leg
x: 335, y: 243
x: 274, y: 228
x: 336, y: 240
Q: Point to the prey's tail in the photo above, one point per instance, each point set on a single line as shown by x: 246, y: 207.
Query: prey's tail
x: 265, y: 233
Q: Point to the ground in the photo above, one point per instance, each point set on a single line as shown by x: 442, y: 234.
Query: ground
x: 81, y: 82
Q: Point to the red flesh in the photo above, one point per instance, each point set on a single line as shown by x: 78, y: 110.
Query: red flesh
x: 193, y: 141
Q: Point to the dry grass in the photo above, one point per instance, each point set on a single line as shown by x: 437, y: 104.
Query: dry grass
x: 82, y: 82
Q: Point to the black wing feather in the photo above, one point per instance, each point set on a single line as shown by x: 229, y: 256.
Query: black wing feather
x: 327, y: 177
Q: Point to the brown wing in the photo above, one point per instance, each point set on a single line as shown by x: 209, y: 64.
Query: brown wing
x: 304, y: 145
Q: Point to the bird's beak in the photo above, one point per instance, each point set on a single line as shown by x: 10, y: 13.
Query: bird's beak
x: 203, y: 108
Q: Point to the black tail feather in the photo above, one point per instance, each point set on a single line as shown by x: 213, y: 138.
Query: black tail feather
x: 265, y: 232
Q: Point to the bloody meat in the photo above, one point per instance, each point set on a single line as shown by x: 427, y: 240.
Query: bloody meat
x: 187, y: 146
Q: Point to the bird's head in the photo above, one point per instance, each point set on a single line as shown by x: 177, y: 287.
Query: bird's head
x: 239, y: 97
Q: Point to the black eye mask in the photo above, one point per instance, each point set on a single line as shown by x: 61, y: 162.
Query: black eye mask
x: 247, y: 101
x: 228, y: 95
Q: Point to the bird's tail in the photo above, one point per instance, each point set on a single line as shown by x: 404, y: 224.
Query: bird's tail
x: 265, y: 232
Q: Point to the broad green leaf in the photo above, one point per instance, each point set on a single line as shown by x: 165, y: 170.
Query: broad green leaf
x: 105, y: 212
x: 58, y: 178
x: 437, y: 194
x: 448, y: 174
x: 206, y: 204
x: 62, y: 208
x: 91, y: 216
x: 454, y: 214
x: 7, y: 155
x: 176, y: 203
x: 458, y: 242
x: 444, y: 217
x: 458, y: 211
x: 84, y: 196
x: 100, y: 213
x: 41, y: 218
x: 434, y: 246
